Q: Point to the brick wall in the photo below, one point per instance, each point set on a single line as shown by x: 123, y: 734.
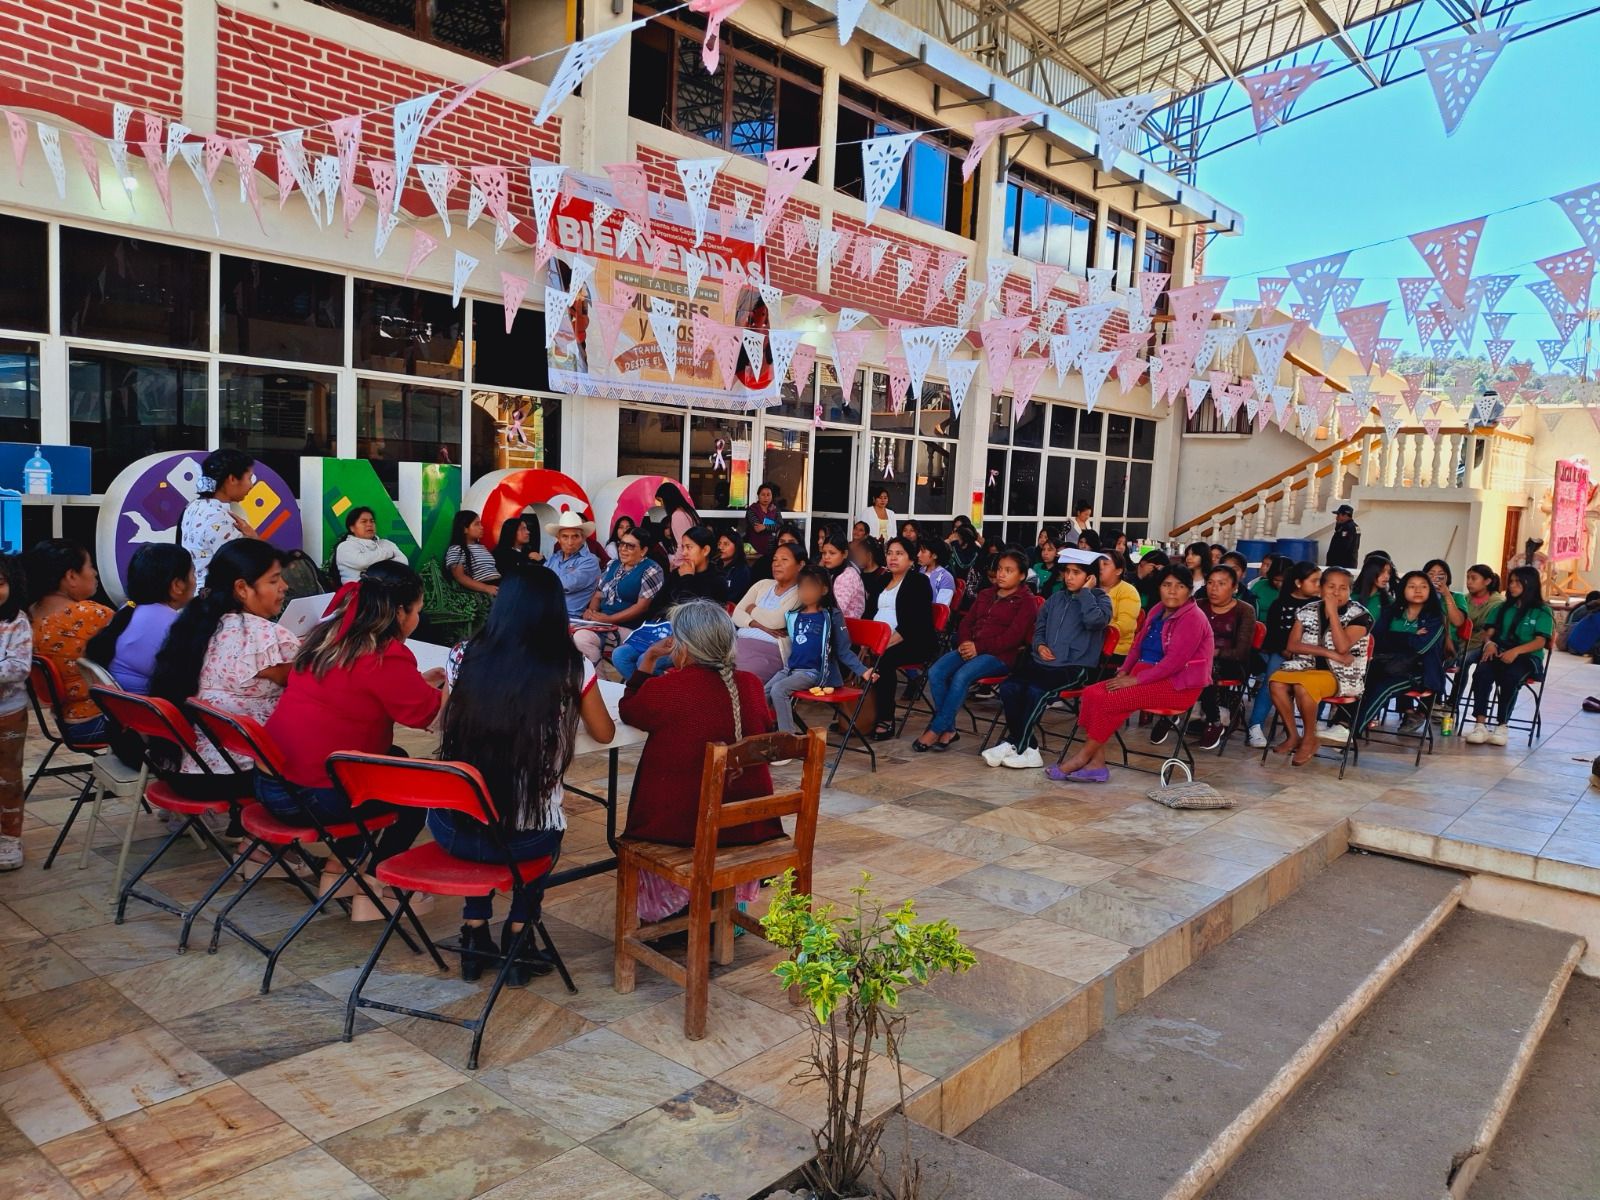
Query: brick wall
x: 878, y: 292
x: 76, y: 58
x: 272, y: 77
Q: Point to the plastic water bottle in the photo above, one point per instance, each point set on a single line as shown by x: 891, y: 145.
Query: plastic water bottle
x: 1447, y: 724
x: 36, y: 474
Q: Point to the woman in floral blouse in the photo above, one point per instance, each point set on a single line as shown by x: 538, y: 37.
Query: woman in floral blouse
x: 210, y: 522
x: 64, y: 618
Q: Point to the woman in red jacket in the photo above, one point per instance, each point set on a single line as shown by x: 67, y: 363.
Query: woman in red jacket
x: 353, y: 680
x: 703, y: 701
x: 994, y: 631
x: 1167, y: 666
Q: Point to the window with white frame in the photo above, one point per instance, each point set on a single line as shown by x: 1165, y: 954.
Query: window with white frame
x: 912, y: 451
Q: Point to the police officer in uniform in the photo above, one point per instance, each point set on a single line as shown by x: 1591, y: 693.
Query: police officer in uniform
x: 1344, y: 547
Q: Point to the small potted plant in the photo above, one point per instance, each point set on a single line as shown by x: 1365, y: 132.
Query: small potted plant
x: 851, y: 969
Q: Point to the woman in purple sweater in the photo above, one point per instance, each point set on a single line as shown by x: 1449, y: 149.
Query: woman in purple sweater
x: 1166, y: 668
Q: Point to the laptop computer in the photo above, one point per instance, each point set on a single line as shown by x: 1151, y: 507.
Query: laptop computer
x: 302, y: 615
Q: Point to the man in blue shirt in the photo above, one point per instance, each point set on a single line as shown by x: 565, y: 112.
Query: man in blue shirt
x: 574, y: 562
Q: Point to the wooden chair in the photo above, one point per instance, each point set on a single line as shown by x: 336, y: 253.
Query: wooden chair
x: 710, y: 872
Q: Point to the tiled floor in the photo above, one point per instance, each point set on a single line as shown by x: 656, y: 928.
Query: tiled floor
x: 127, y: 1070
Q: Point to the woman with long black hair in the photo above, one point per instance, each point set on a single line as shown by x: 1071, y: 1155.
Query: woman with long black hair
x: 517, y: 546
x: 1408, y: 652
x: 1520, y: 632
x: 681, y: 517
x: 160, y: 584
x: 1302, y: 584
x: 1374, y: 584
x: 905, y: 604
x: 518, y: 691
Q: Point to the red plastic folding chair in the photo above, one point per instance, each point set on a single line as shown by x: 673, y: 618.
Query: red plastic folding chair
x: 917, y: 673
x: 458, y: 788
x: 243, y: 739
x: 871, y: 638
x: 1068, y: 696
x: 47, y: 692
x: 1236, y: 693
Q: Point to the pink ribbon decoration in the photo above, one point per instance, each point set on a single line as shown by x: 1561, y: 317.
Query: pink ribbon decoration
x: 984, y: 134
x: 715, y: 11
x: 1271, y: 92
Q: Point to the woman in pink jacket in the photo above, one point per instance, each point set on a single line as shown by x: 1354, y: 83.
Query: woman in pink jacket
x: 1166, y: 668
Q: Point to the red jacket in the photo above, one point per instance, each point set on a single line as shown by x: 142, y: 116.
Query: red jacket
x: 999, y: 625
x: 351, y: 709
x: 683, y: 711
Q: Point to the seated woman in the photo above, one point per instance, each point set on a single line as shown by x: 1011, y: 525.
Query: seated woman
x: 1148, y: 578
x: 362, y: 546
x: 1520, y: 633
x: 1326, y: 657
x: 905, y: 605
x: 1126, y: 606
x: 63, y: 578
x: 468, y: 561
x: 1409, y: 654
x: 1043, y: 576
x: 704, y: 700
x: 1197, y: 558
x: 1233, y: 629
x: 931, y: 557
x: 994, y: 632
x: 1268, y: 585
x: 517, y: 692
x: 1301, y: 585
x: 619, y: 605
x: 352, y: 682
x: 696, y: 578
x: 733, y: 569
x: 1169, y: 663
x: 160, y: 583
x: 1454, y: 603
x: 623, y: 524
x: 849, y: 589
x: 819, y: 644
x: 869, y: 559
x: 517, y: 546
x: 761, y: 615
x: 1067, y: 636
x: 1375, y: 583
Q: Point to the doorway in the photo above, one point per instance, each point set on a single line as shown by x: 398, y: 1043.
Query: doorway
x: 833, y: 477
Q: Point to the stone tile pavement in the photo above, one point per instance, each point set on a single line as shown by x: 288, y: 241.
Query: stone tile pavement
x: 127, y: 1070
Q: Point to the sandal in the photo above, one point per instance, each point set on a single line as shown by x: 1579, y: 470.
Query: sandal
x: 883, y: 732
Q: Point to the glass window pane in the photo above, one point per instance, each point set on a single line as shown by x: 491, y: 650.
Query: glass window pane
x: 1030, y: 427
x: 791, y: 403
x: 890, y: 469
x: 649, y: 443
x: 1139, y: 489
x: 934, y: 416
x: 1024, y: 483
x: 936, y: 478
x: 994, y: 484
x: 1057, y: 485
x: 883, y: 419
x: 1024, y: 535
x: 1085, y: 480
x: 895, y: 198
x: 1013, y: 198
x: 406, y: 422
x: 1058, y: 238
x: 1063, y: 426
x: 276, y: 415
x: 785, y: 452
x: 19, y: 391
x: 1078, y: 256
x: 929, y: 168
x: 503, y: 359
x: 719, y: 462
x: 511, y: 431
x: 1144, y: 438
x: 1090, y: 425
x: 407, y: 331
x: 274, y: 311
x: 123, y: 407
x: 1030, y: 231
x: 1112, y: 495
x: 834, y: 405
x: 699, y: 98
x: 648, y: 72
x: 126, y: 290
x: 999, y: 420
x: 25, y: 284
x: 753, y: 119
x: 1119, y: 435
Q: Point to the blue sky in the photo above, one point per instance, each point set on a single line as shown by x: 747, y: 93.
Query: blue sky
x: 1380, y: 166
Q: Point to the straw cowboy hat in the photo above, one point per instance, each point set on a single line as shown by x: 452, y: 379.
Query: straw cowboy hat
x: 569, y: 520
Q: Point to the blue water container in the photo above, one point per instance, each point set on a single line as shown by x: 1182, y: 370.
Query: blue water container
x: 1299, y: 549
x: 10, y: 521
x: 1255, y: 550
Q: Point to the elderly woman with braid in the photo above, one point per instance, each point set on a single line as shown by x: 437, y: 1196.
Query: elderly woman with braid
x: 702, y: 700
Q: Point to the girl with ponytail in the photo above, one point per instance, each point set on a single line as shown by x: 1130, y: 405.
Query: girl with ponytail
x: 352, y: 682
x: 160, y: 586
x: 704, y: 700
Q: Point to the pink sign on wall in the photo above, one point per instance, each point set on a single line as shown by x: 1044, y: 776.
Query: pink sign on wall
x: 1568, y: 503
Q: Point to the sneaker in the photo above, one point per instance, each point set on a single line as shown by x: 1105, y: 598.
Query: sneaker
x: 1160, y: 731
x: 1499, y: 736
x: 1411, y: 722
x: 995, y: 755
x: 1478, y: 734
x: 987, y: 692
x: 781, y: 762
x: 1196, y: 727
x: 1028, y: 758
x: 10, y: 853
x: 1336, y: 734
x: 1257, y: 737
x: 1211, y: 738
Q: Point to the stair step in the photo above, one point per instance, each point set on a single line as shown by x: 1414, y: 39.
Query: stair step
x: 1154, y: 1106
x: 1409, y: 1103
x: 952, y: 1169
x: 1549, y: 1147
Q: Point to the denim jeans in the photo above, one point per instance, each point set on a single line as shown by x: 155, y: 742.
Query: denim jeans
x: 1263, y: 704
x: 329, y: 806
x: 625, y: 658
x: 950, y: 677
x: 468, y: 839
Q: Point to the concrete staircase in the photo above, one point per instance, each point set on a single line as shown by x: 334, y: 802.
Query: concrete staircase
x: 1363, y: 1040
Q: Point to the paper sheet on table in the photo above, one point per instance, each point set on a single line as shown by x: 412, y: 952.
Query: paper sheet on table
x: 428, y: 655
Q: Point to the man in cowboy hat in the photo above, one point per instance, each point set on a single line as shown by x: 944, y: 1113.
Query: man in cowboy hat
x: 573, y: 561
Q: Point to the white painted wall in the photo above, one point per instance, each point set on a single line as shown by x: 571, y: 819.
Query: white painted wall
x: 1218, y: 466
